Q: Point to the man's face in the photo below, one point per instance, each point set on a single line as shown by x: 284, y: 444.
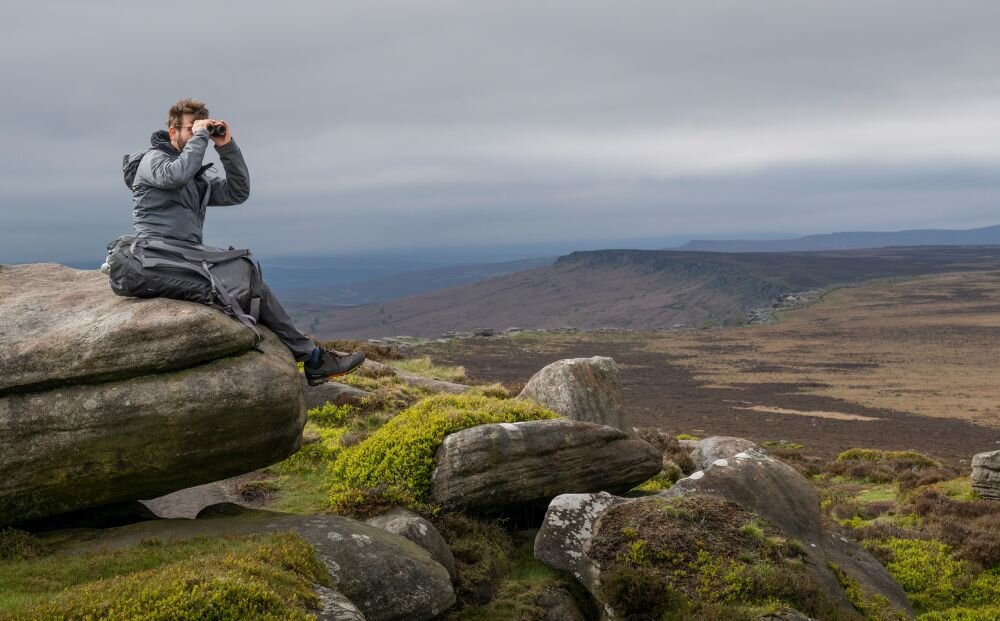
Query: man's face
x: 181, y: 135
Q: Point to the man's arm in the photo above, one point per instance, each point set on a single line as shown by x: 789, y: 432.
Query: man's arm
x: 235, y: 188
x: 159, y: 171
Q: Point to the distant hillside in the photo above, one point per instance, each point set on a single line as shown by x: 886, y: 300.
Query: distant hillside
x: 988, y: 236
x: 400, y: 284
x: 636, y: 289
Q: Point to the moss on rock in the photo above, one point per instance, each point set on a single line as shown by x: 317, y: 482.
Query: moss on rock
x: 698, y: 556
x: 399, y: 457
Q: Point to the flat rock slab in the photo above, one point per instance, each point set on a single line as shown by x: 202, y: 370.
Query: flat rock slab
x: 83, y: 446
x: 332, y: 392
x: 434, y: 385
x: 385, y: 576
x: 188, y: 503
x: 494, y: 467
x: 63, y: 326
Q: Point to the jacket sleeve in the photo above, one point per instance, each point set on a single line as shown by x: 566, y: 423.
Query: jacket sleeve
x: 159, y: 171
x: 235, y: 188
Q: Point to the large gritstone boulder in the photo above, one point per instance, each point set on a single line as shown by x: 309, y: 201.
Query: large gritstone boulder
x: 584, y: 389
x: 491, y: 468
x: 105, y: 399
x: 986, y: 475
x: 385, y: 576
x: 739, y: 502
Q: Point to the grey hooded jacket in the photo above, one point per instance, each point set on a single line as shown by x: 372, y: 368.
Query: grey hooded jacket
x: 170, y: 190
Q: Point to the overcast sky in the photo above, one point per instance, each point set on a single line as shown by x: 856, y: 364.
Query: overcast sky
x: 377, y: 124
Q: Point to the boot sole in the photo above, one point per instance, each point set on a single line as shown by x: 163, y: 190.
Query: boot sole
x: 323, y: 380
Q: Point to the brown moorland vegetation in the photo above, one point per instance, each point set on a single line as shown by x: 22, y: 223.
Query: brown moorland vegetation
x: 894, y: 364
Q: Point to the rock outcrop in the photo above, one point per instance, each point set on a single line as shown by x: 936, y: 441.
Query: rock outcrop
x: 986, y: 475
x: 584, y: 389
x: 490, y: 468
x: 750, y: 480
x: 385, y: 576
x: 105, y: 399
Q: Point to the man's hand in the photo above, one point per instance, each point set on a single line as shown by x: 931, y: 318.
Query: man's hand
x: 218, y: 140
x: 221, y: 140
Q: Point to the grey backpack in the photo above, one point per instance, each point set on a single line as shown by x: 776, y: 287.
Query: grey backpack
x: 229, y: 280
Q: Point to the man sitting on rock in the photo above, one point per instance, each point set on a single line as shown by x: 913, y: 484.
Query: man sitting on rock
x: 170, y: 194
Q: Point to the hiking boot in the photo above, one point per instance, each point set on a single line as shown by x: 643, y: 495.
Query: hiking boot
x: 332, y: 364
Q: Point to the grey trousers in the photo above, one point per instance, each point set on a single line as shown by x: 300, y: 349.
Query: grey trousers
x: 274, y: 317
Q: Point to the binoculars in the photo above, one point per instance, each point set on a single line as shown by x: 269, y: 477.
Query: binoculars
x: 217, y: 129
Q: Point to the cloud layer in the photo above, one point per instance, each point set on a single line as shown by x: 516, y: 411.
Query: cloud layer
x: 372, y: 125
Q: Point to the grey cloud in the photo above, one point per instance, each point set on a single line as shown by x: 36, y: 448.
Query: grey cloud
x: 381, y: 124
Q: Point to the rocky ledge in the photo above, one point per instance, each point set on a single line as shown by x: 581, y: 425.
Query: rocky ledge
x: 105, y: 399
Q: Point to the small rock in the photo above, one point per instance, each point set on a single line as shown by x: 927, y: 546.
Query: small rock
x: 584, y: 389
x: 418, y: 530
x: 986, y: 475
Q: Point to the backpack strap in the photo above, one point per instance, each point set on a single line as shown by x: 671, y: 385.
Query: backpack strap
x: 227, y: 302
x: 199, y: 256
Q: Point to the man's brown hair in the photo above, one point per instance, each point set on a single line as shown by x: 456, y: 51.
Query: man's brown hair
x: 186, y: 106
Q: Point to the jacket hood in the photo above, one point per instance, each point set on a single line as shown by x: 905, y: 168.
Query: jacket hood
x: 160, y: 140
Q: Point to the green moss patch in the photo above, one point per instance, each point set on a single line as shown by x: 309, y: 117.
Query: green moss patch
x: 499, y: 577
x: 257, y: 577
x: 483, y: 554
x: 399, y: 457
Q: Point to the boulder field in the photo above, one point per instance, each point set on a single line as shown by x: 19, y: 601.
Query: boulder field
x: 106, y: 400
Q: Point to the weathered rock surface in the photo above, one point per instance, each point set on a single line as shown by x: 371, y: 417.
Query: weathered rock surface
x: 714, y: 448
x: 780, y: 494
x: 584, y: 389
x: 336, y: 607
x: 331, y: 392
x: 566, y: 533
x: 418, y: 530
x: 188, y: 503
x: 752, y: 479
x: 986, y: 475
x: 492, y: 467
x: 63, y: 326
x: 385, y: 576
x: 111, y: 399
